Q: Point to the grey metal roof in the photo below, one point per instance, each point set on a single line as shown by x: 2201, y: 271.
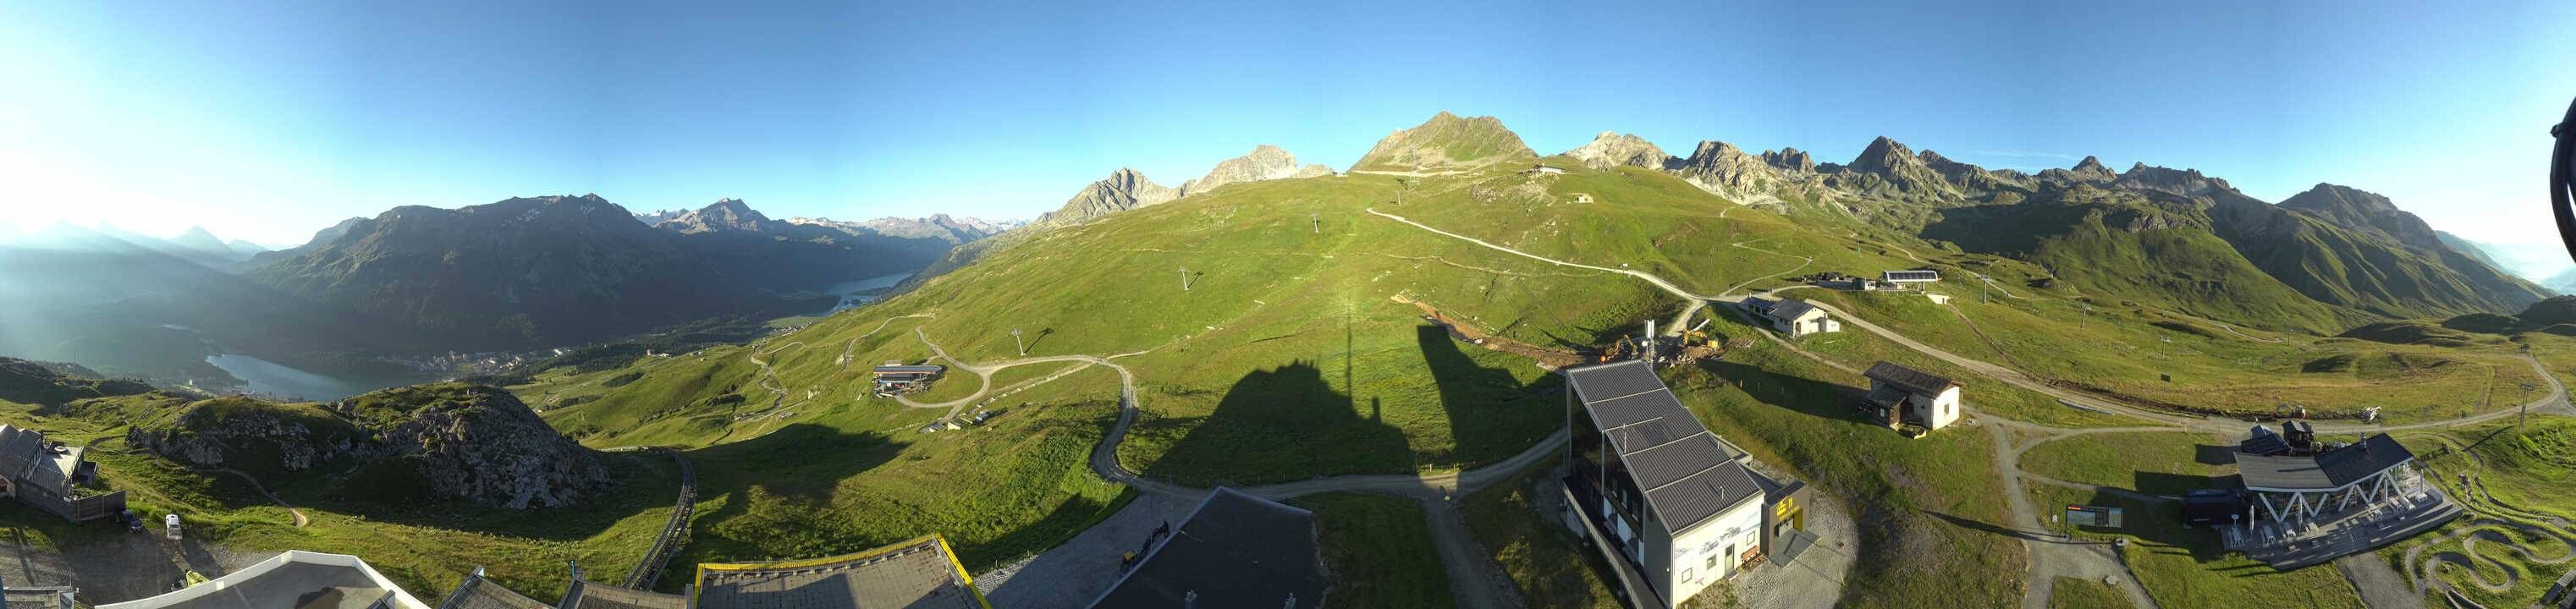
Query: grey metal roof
x: 1909, y: 379
x: 24, y: 458
x: 299, y: 580
x: 918, y: 574
x: 1234, y: 550
x: 479, y: 593
x: 1910, y: 275
x: 2323, y: 471
x: 1687, y: 473
x: 1791, y: 309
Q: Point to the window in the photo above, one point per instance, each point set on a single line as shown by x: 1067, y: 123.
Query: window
x: 1686, y: 576
x: 1712, y: 561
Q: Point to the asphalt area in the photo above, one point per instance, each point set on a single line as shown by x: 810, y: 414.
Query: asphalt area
x: 132, y: 566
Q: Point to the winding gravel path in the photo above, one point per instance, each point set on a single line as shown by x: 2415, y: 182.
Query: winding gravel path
x: 2048, y: 558
x: 1473, y: 578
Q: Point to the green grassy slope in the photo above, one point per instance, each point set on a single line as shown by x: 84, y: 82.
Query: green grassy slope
x: 1379, y: 551
x: 2527, y: 471
x: 1291, y: 336
x: 2117, y: 243
x: 426, y: 548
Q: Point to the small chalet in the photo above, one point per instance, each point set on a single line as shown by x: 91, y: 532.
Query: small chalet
x: 43, y: 474
x: 1798, y: 318
x: 1544, y: 170
x: 1901, y: 396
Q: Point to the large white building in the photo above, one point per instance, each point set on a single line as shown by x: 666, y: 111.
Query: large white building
x: 1673, y: 502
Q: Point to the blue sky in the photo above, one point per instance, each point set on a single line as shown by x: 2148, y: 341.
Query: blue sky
x: 271, y: 121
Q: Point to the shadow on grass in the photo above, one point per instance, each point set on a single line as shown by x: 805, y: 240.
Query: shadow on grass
x: 1490, y: 411
x: 2177, y: 485
x: 1820, y: 399
x: 778, y: 495
x: 1980, y: 525
x: 1281, y: 424
x: 2158, y: 524
x: 1039, y: 337
x: 355, y: 487
x: 2214, y: 454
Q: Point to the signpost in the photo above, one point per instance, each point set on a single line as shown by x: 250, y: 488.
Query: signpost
x: 2093, y: 516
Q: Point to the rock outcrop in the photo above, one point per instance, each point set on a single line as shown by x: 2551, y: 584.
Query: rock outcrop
x: 1789, y: 159
x: 243, y: 433
x: 1265, y: 162
x: 1613, y: 149
x: 446, y: 442
x: 1889, y: 169
x: 2088, y: 171
x: 1123, y: 190
x: 723, y: 215
x: 1446, y: 142
x: 1722, y: 169
x: 2177, y: 182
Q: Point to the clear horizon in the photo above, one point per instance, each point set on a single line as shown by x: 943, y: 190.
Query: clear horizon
x: 268, y: 122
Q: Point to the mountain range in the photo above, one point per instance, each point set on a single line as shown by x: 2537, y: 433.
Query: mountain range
x: 2328, y: 258
x: 534, y: 271
x: 557, y: 270
x: 2173, y: 232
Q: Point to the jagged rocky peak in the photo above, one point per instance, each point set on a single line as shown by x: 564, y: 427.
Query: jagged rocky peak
x: 2342, y: 199
x: 1889, y: 169
x: 1715, y: 158
x: 2088, y: 171
x: 1123, y: 190
x: 1973, y: 178
x: 2184, y: 182
x: 1446, y: 141
x: 1942, y: 163
x: 2367, y: 211
x: 724, y: 214
x: 1883, y: 156
x: 2092, y: 167
x: 1265, y: 162
x: 1722, y: 169
x: 1790, y: 159
x: 1613, y: 149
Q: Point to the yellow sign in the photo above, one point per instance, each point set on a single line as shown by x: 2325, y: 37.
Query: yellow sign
x: 1788, y: 505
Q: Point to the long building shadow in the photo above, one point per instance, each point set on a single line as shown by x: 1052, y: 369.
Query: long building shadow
x: 1284, y: 423
x: 795, y: 473
x: 1821, y: 399
x: 2158, y: 523
x: 1492, y: 414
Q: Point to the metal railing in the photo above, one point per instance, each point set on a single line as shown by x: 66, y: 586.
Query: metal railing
x: 675, y: 534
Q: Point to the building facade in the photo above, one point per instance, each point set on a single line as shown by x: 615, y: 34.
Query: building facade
x: 1671, y: 500
x: 46, y: 475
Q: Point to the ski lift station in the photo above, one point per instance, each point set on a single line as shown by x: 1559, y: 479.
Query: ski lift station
x: 893, y: 380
